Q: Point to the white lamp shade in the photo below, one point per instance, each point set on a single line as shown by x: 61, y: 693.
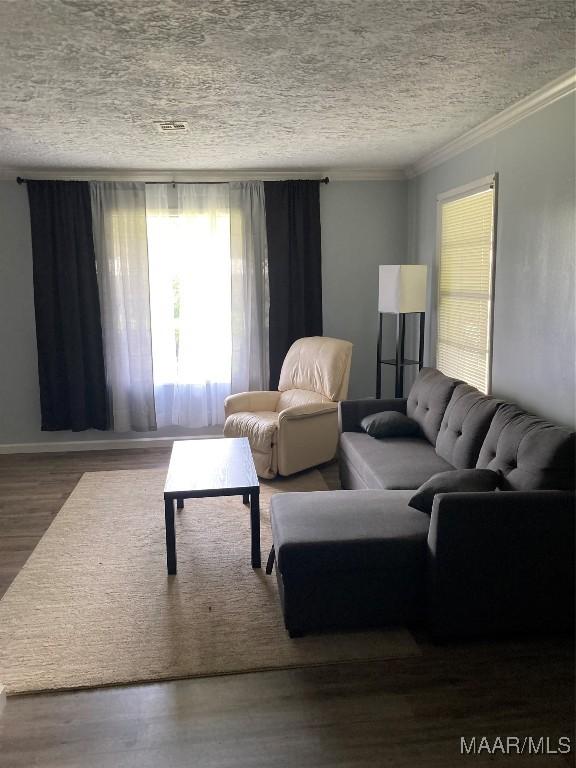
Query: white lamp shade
x: 402, y: 288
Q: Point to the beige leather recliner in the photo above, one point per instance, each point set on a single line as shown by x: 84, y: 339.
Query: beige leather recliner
x: 296, y: 427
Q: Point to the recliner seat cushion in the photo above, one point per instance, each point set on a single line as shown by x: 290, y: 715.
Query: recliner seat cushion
x: 531, y: 453
x: 464, y: 426
x: 394, y: 463
x: 295, y: 397
x: 428, y: 400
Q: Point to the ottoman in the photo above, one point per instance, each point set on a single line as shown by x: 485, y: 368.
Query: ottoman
x: 349, y: 559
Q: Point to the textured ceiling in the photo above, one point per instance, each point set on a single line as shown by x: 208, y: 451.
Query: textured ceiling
x: 282, y: 84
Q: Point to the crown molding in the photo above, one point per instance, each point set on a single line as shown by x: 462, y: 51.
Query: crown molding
x: 182, y: 176
x: 527, y: 106
x: 378, y: 174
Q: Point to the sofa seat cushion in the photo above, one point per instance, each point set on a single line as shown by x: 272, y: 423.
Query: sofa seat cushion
x: 394, y: 463
x: 464, y: 426
x: 428, y: 400
x: 531, y: 453
x: 337, y: 531
x: 259, y: 427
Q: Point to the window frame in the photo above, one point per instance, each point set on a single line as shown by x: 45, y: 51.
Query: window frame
x: 456, y: 193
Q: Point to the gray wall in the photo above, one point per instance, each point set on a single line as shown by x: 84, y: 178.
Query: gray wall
x: 19, y: 399
x: 364, y: 224
x: 534, y: 314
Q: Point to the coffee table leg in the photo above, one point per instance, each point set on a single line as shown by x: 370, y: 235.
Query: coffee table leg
x: 170, y: 536
x: 180, y: 504
x: 255, y: 526
x: 245, y: 498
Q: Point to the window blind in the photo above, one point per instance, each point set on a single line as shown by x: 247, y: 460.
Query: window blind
x: 465, y: 288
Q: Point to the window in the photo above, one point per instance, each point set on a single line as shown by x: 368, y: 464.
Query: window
x: 190, y: 267
x: 465, y: 283
x: 189, y: 262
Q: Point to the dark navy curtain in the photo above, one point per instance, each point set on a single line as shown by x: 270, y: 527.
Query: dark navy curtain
x: 68, y: 326
x: 294, y: 266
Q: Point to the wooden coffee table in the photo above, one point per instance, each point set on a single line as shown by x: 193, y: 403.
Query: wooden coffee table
x: 211, y: 467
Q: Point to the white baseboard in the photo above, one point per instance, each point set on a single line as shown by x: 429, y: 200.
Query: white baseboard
x: 100, y: 445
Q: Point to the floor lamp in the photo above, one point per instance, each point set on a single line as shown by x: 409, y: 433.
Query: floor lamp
x: 401, y: 291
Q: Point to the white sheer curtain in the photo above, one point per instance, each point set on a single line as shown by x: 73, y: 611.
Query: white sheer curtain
x: 189, y: 254
x: 120, y: 243
x: 250, y: 299
x: 183, y: 276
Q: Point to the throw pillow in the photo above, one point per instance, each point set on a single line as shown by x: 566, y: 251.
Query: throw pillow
x: 390, y: 424
x: 454, y: 481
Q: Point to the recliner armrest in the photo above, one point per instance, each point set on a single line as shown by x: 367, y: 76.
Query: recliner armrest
x: 307, y: 436
x: 251, y: 401
x: 307, y: 410
x: 501, y: 562
x: 351, y: 412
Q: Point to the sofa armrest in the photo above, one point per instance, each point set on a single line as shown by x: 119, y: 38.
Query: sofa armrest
x: 501, y: 562
x: 351, y: 412
x: 251, y: 401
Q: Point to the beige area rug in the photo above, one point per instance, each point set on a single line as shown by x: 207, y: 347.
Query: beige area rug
x: 93, y: 605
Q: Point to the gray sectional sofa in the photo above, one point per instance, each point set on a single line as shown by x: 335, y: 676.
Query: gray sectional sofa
x: 482, y: 563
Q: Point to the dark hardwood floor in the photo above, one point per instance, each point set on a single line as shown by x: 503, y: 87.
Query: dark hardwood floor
x: 408, y: 712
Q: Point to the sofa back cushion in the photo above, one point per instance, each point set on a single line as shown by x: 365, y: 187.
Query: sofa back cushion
x: 531, y: 453
x: 464, y: 426
x: 428, y: 399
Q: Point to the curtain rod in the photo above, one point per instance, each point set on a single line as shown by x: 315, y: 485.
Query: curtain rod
x: 325, y: 180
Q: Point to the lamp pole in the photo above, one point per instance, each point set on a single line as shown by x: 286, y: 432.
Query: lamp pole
x: 399, y: 361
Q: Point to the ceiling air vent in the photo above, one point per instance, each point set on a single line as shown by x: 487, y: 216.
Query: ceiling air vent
x: 172, y: 126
